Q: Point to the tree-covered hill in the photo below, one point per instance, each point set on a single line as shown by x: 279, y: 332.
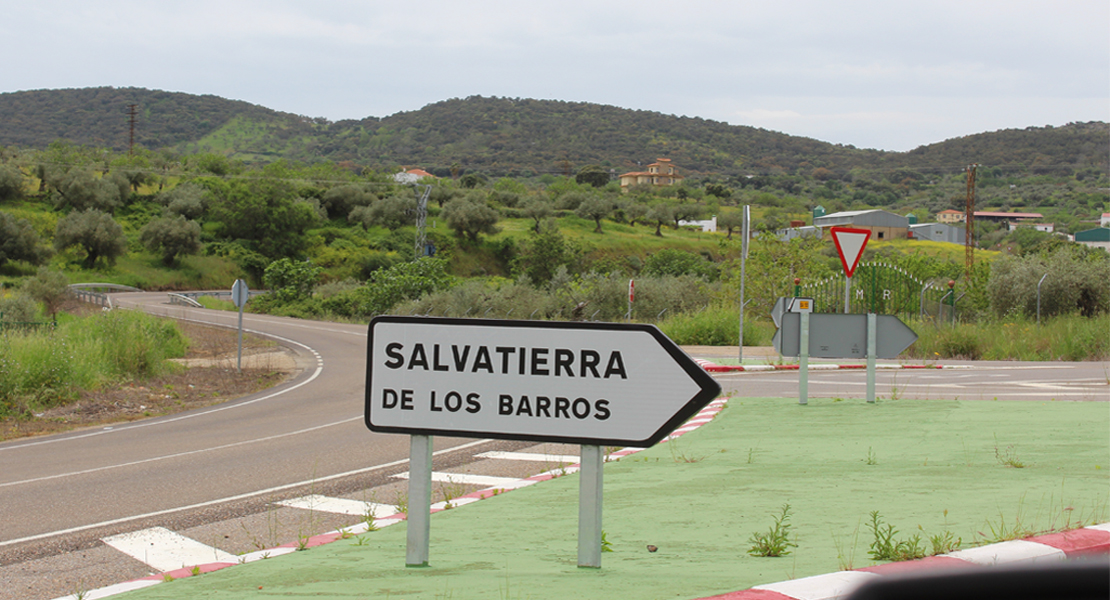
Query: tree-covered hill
x: 506, y: 136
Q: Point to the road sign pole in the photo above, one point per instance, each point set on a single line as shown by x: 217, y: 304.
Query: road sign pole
x: 803, y: 359
x: 589, y: 507
x: 744, y: 234
x: 419, y: 501
x: 872, y: 350
x: 239, y: 358
x: 847, y: 292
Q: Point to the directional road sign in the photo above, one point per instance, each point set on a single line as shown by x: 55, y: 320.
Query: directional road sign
x: 849, y: 246
x: 843, y: 336
x: 604, y: 384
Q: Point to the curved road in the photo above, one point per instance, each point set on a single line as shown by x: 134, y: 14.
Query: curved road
x: 63, y: 493
x: 306, y: 431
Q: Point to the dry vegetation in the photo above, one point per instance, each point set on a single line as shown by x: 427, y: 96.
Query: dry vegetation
x: 212, y: 380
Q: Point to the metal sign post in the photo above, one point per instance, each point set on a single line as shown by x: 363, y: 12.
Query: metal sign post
x: 589, y: 507
x: 593, y: 384
x: 745, y: 225
x: 872, y: 350
x: 239, y: 296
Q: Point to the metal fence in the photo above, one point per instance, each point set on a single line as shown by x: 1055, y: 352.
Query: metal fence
x: 883, y: 289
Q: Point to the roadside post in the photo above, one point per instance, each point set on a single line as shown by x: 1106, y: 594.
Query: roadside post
x: 631, y: 298
x: 239, y: 296
x: 745, y: 233
x: 587, y: 383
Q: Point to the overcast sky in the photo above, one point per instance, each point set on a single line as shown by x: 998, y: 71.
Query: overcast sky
x: 887, y: 75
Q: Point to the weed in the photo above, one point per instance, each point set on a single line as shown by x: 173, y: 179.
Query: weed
x: 302, y: 542
x: 80, y: 592
x: 167, y: 577
x: 451, y: 490
x: 847, y: 563
x: 776, y: 542
x: 886, y: 547
x: 195, y: 571
x: 679, y: 456
x: 895, y: 391
x: 871, y: 458
x: 402, y: 503
x: 1007, y: 457
x: 943, y: 543
x: 606, y: 545
x: 751, y: 453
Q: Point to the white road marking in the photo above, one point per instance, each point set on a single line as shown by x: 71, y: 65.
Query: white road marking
x: 564, y: 459
x: 823, y: 587
x: 165, y: 550
x: 271, y: 490
x: 505, y: 483
x: 1013, y: 551
x: 180, y: 454
x: 340, y: 506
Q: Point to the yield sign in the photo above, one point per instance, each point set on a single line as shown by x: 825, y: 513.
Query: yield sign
x: 604, y: 384
x: 849, y: 245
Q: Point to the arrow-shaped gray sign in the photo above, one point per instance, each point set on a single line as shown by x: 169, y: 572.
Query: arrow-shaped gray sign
x: 843, y: 336
x: 605, y: 384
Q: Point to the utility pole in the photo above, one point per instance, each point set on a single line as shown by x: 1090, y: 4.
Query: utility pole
x: 969, y: 220
x: 131, y: 110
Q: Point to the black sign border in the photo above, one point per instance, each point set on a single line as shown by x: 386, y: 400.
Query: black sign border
x: 710, y: 389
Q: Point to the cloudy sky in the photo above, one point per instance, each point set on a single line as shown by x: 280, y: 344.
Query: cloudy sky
x: 887, y: 75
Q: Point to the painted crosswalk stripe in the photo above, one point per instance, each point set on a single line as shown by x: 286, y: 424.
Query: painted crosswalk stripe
x: 340, y: 506
x: 555, y: 459
x: 165, y: 550
x: 506, y: 483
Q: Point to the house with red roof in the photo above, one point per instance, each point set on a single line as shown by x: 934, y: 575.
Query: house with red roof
x: 412, y: 176
x: 660, y: 172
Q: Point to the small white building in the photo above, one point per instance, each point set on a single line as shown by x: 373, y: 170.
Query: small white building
x: 707, y: 226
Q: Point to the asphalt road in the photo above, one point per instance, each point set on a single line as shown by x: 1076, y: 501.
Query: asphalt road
x: 63, y: 493
x: 307, y: 430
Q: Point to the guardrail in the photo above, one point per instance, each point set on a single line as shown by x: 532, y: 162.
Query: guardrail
x: 184, y: 300
x: 220, y: 294
x: 103, y: 287
x: 92, y: 297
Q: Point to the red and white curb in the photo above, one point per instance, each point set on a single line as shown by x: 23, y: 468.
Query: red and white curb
x: 703, y: 416
x: 1054, y: 547
x: 712, y: 367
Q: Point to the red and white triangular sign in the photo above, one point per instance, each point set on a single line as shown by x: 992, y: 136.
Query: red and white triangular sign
x: 849, y: 245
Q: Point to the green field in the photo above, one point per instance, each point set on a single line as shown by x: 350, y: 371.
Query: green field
x: 976, y: 471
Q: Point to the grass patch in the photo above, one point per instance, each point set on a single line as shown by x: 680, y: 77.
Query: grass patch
x: 1071, y: 338
x: 45, y: 368
x: 716, y: 326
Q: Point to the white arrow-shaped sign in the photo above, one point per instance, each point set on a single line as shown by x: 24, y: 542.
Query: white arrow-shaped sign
x: 604, y: 384
x: 849, y: 245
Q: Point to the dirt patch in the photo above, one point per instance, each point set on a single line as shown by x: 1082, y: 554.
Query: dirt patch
x: 208, y: 376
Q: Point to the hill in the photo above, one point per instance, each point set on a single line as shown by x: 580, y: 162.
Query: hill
x: 508, y: 137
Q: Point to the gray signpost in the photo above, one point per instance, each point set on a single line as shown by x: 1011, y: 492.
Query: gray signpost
x: 833, y: 335
x: 593, y: 384
x: 239, y: 296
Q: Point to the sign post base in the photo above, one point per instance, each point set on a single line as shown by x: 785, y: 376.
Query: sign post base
x: 420, y: 501
x: 589, y: 508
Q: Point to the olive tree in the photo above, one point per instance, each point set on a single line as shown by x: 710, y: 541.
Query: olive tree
x: 18, y: 241
x: 172, y: 237
x: 392, y: 213
x: 470, y: 217
x: 49, y: 287
x: 96, y: 232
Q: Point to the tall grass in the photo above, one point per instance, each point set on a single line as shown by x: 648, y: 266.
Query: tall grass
x: 45, y: 368
x: 1072, y: 338
x: 715, y: 326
